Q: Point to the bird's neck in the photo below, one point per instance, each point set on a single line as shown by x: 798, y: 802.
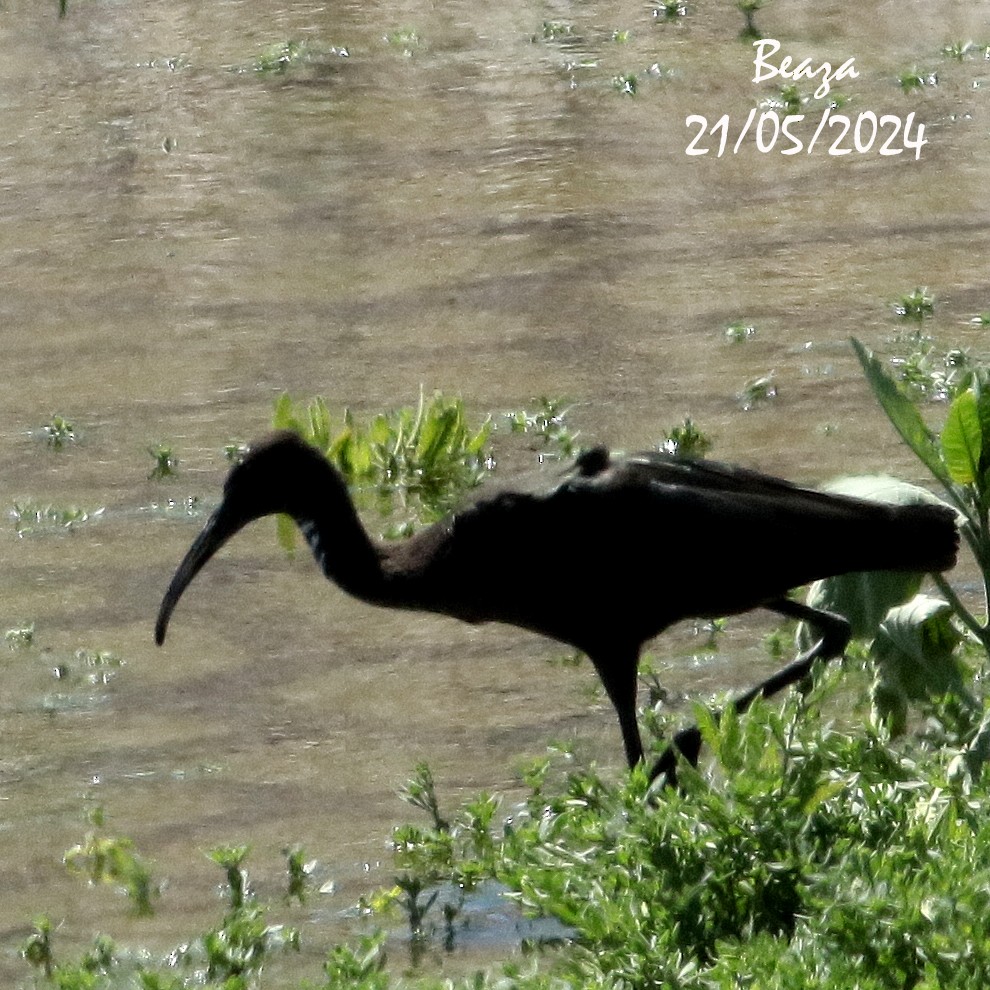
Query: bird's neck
x: 343, y: 549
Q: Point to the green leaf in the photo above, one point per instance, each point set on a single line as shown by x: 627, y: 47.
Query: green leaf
x: 864, y: 598
x: 283, y: 417
x: 962, y: 439
x: 915, y: 653
x: 902, y: 413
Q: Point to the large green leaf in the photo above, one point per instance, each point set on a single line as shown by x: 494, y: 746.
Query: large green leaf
x: 962, y: 439
x: 902, y: 413
x: 865, y: 598
x: 916, y: 661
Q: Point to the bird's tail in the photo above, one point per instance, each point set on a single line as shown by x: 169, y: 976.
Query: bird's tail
x: 918, y: 537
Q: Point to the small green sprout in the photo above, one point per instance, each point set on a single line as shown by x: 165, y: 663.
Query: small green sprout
x: 284, y: 56
x: 59, y: 432
x: 959, y: 50
x: 915, y: 79
x: 917, y: 305
x: 279, y: 57
x: 300, y: 872
x: 421, y: 793
x: 670, y: 10
x: 552, y: 30
x: 686, y: 440
x: 758, y: 391
x: 548, y: 424
x: 231, y: 860
x: 405, y: 38
x: 749, y: 8
x: 627, y: 83
x: 166, y: 463
x: 235, y: 451
x: 20, y: 636
x: 110, y: 859
x: 31, y: 517
x: 739, y: 331
x: 37, y: 948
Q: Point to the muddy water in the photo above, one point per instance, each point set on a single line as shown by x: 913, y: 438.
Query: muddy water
x: 480, y: 210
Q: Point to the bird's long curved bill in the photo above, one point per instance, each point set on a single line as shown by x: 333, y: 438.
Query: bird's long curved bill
x: 219, y: 528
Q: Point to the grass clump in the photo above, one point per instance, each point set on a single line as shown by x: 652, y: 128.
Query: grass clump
x: 283, y: 57
x: 917, y: 305
x: 111, y: 859
x: 166, y: 463
x: 33, y: 518
x: 418, y: 461
x: 59, y: 432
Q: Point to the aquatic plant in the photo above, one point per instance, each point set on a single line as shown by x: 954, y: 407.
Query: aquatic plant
x: 418, y: 460
x: 670, y: 10
x: 20, y: 636
x: 58, y: 432
x: 166, y: 463
x: 740, y: 331
x: 282, y: 57
x: 548, y: 424
x: 917, y: 305
x: 758, y: 391
x: 748, y: 8
x: 914, y: 79
x: 626, y: 83
x: 32, y: 517
x: 111, y: 859
x: 686, y: 440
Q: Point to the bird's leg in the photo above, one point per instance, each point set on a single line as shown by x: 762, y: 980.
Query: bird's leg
x: 835, y: 634
x: 618, y: 674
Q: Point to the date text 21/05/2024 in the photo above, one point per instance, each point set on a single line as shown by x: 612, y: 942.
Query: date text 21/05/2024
x: 886, y: 134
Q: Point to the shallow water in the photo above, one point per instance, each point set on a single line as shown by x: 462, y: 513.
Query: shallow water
x: 475, y: 211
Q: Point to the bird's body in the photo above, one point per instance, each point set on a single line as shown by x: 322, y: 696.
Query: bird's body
x: 606, y: 560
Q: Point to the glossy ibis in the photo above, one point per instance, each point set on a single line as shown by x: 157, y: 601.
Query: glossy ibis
x: 619, y: 550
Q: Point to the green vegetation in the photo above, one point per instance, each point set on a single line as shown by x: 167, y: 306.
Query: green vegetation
x: 758, y: 391
x: 807, y: 850
x: 59, y: 432
x: 110, y: 859
x: 670, y: 10
x: 166, y: 463
x: 416, y: 461
x: 686, y: 440
x: 958, y: 459
x: 283, y: 57
x: 405, y: 38
x: 750, y: 31
x: 548, y: 424
x: 626, y: 83
x: 20, y: 636
x: 33, y: 518
x: 554, y: 30
x: 740, y: 331
x: 917, y: 305
x: 914, y: 79
x: 415, y: 464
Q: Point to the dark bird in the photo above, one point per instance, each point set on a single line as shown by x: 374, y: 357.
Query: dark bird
x: 624, y: 547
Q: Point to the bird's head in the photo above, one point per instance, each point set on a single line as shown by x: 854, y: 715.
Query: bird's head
x: 280, y: 474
